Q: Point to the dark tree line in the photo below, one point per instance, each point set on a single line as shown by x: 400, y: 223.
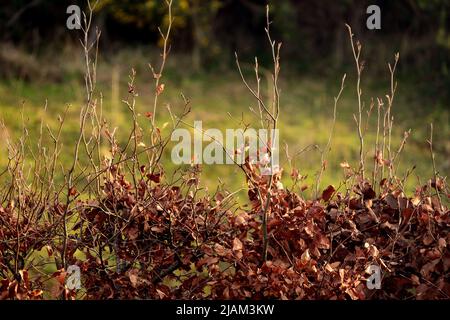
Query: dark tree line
x: 311, y: 31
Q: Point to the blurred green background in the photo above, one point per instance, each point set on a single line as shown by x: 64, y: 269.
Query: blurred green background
x: 41, y: 60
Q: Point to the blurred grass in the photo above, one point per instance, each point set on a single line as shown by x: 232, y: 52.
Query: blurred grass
x: 221, y: 101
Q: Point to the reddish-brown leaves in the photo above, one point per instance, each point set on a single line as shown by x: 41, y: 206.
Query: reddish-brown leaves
x: 160, y: 89
x: 237, y: 248
x: 156, y: 177
x: 327, y: 193
x: 162, y: 241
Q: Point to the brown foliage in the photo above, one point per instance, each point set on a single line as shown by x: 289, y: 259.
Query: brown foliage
x: 136, y: 234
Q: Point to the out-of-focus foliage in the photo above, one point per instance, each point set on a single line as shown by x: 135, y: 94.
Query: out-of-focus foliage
x: 312, y: 32
x: 194, y: 15
x: 143, y: 14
